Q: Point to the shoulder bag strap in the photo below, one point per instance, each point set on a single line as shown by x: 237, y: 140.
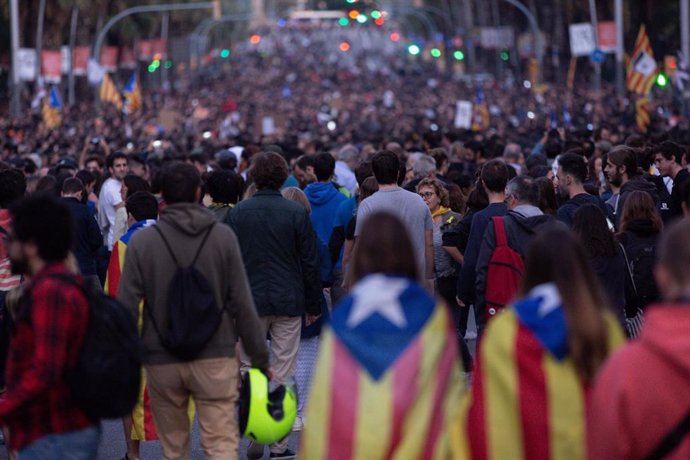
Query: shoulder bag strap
x: 672, y: 439
x: 499, y: 227
x: 627, y: 266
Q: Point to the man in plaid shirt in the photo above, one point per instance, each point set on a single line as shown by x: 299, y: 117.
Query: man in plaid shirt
x: 50, y: 325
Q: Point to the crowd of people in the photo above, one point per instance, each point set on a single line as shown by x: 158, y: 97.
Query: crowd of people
x: 359, y: 231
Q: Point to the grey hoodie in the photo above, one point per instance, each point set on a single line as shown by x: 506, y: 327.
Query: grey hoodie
x: 149, y: 268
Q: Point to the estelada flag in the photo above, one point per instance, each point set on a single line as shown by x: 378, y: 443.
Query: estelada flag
x: 642, y: 68
x: 52, y: 109
x: 480, y: 117
x: 642, y: 114
x: 527, y: 400
x: 387, y: 379
x: 109, y: 92
x: 132, y: 95
x: 143, y: 427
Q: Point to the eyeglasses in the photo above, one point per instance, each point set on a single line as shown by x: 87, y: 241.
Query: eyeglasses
x: 427, y: 194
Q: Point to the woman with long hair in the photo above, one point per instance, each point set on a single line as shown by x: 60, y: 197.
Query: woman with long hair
x: 605, y: 255
x: 387, y: 380
x: 537, y: 358
x: 640, y: 226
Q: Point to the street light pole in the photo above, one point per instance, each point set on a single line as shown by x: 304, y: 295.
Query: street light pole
x: 597, y: 65
x: 685, y: 29
x: 14, y: 35
x: 620, y: 57
x: 538, y: 43
x: 39, y: 37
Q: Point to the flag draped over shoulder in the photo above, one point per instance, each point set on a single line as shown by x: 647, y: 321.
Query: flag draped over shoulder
x: 480, y: 115
x: 109, y: 92
x: 132, y: 95
x: 642, y: 68
x: 52, y: 109
x: 143, y: 428
x: 527, y: 400
x: 387, y: 380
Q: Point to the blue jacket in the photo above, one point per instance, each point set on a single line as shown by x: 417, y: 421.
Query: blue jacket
x: 87, y: 238
x: 324, y: 199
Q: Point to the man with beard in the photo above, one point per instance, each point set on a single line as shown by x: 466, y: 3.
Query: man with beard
x: 50, y: 325
x: 570, y: 179
x: 621, y: 171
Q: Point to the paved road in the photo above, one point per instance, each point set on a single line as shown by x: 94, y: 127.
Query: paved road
x: 112, y: 445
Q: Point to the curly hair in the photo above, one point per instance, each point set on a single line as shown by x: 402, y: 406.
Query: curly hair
x: 269, y: 171
x: 439, y: 189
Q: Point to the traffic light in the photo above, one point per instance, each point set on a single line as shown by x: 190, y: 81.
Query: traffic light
x: 435, y: 53
x: 343, y: 21
x: 458, y: 55
x: 395, y: 37
x: 255, y: 39
x: 344, y: 46
x: 661, y: 80
x: 225, y: 53
x: 375, y: 14
x: 413, y: 49
x: 168, y: 64
x: 362, y: 18
x: 505, y: 55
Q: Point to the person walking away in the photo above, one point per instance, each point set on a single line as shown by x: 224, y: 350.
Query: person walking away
x: 279, y: 251
x: 87, y: 238
x: 536, y: 360
x: 641, y: 226
x: 50, y: 323
x: 523, y: 222
x: 187, y: 235
x: 605, y: 255
x: 388, y: 376
x: 640, y: 403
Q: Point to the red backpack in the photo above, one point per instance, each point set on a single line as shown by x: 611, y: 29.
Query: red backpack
x: 504, y: 273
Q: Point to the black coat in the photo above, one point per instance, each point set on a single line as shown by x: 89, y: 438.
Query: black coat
x: 87, y: 237
x: 280, y: 254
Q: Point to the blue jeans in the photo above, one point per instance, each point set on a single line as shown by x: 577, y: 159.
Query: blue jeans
x: 75, y: 445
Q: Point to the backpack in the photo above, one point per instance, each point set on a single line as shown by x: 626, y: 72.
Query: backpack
x: 641, y: 256
x: 192, y: 314
x: 504, y: 272
x: 106, y: 379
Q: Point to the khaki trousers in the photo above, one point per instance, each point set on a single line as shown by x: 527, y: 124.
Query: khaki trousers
x: 285, y: 333
x: 213, y: 385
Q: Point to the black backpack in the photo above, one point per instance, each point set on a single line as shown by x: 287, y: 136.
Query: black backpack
x: 192, y: 314
x: 641, y: 254
x: 106, y: 379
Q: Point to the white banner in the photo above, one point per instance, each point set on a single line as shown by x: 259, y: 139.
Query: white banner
x: 463, y: 114
x: 26, y: 58
x: 66, y: 59
x: 582, y: 41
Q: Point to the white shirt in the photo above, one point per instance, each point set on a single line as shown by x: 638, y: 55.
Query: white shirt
x: 109, y: 198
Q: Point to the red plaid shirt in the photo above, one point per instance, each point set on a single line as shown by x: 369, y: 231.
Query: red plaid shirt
x: 45, y: 343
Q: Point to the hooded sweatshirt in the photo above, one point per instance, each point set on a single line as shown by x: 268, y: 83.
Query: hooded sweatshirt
x: 636, y: 183
x: 643, y: 390
x: 149, y: 268
x: 324, y: 200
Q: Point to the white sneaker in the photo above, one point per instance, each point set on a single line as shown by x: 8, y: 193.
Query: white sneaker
x: 298, y: 425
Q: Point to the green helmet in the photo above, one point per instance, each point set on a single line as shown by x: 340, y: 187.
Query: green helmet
x: 265, y: 417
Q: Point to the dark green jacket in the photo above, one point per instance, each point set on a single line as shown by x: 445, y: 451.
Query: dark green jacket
x: 278, y: 246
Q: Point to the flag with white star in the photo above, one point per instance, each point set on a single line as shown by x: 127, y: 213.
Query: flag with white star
x: 387, y: 379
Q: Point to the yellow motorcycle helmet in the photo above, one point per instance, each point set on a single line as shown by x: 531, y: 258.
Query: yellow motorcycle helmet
x: 265, y: 417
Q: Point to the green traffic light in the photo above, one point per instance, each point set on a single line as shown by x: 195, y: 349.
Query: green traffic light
x: 362, y: 18
x: 225, y: 53
x: 413, y: 50
x: 375, y: 14
x: 168, y: 64
x: 151, y: 69
x: 505, y: 56
x: 343, y: 21
x: 435, y: 52
x: 661, y: 80
x: 459, y: 55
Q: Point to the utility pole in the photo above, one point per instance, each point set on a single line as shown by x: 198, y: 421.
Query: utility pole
x: 14, y: 35
x: 164, y: 36
x: 684, y: 29
x: 39, y: 37
x: 72, y: 42
x: 620, y: 56
x: 597, y: 66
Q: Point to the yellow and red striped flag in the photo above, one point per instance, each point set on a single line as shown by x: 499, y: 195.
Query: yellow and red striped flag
x: 642, y: 114
x: 387, y: 380
x: 132, y: 95
x: 527, y: 400
x: 109, y: 92
x: 642, y: 68
x: 143, y: 428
